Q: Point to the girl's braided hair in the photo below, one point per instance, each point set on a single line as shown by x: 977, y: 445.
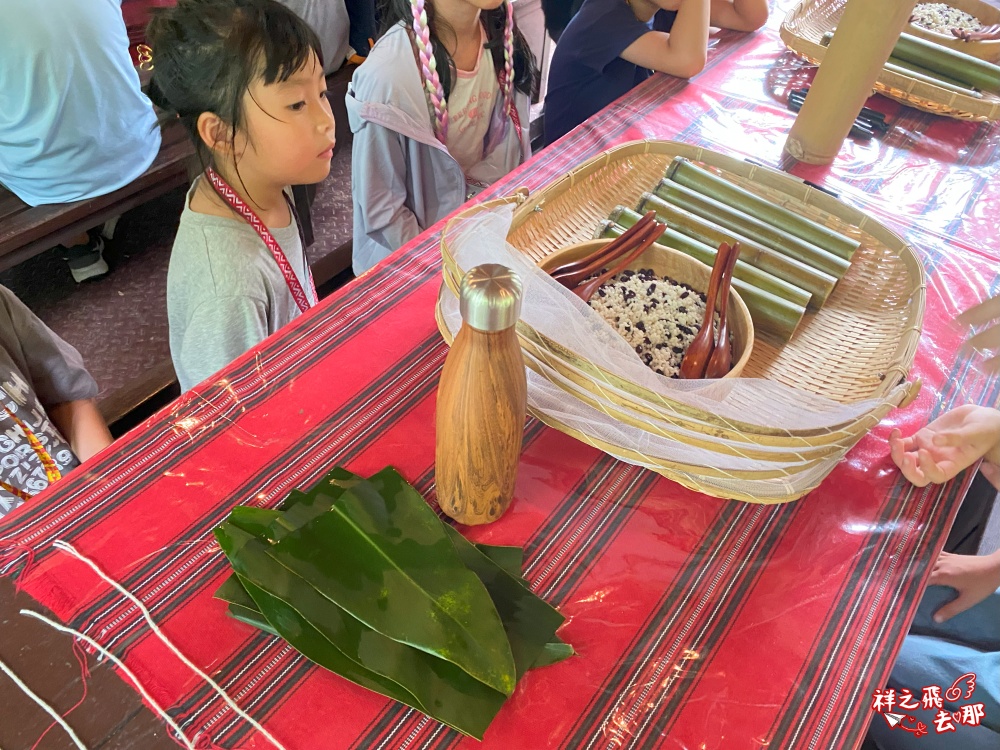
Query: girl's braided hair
x: 507, y: 45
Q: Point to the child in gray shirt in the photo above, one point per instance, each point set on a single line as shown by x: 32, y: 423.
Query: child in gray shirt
x: 245, y: 78
x: 48, y: 419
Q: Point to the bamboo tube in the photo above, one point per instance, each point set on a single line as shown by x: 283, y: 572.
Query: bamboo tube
x: 920, y: 73
x: 901, y: 64
x: 763, y: 280
x: 749, y: 226
x: 820, y: 285
x: 967, y: 69
x: 772, y: 315
x: 928, y: 76
x: 865, y: 37
x: 686, y: 173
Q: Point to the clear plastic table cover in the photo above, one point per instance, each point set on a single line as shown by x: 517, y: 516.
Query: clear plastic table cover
x: 698, y: 623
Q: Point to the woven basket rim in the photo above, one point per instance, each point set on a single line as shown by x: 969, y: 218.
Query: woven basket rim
x: 903, y: 88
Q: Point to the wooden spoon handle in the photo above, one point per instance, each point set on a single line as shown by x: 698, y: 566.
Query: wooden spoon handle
x: 721, y: 361
x: 573, y: 273
x: 700, y: 349
x: 644, y: 240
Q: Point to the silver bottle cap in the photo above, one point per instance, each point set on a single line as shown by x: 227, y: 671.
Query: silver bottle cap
x: 490, y: 297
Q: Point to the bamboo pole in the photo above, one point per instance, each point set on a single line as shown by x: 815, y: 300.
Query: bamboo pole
x: 865, y: 36
x: 819, y: 284
x: 770, y: 283
x: 752, y: 227
x: 707, y: 183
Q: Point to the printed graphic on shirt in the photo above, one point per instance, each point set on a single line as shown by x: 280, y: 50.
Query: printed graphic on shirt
x: 20, y: 466
x: 932, y: 700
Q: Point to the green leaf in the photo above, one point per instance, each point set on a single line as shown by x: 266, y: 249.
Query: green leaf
x: 254, y: 521
x: 252, y: 616
x: 388, y: 561
x: 308, y: 641
x: 510, y: 559
x: 528, y: 621
x: 232, y: 591
x: 554, y: 652
x: 437, y: 687
x: 243, y: 608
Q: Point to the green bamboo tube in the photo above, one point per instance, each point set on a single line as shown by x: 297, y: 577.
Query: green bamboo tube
x: 930, y: 77
x: 967, y: 69
x: 925, y: 72
x: 771, y: 315
x: 763, y: 280
x: 686, y: 173
x: 820, y: 285
x: 938, y: 65
x: 751, y: 227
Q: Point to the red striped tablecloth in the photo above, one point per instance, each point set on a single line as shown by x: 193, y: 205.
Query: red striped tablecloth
x: 699, y: 623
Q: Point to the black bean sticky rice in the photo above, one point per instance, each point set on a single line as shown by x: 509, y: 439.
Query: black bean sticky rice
x: 658, y: 317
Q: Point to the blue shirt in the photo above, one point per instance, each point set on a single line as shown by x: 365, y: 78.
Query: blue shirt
x: 587, y: 73
x: 74, y: 123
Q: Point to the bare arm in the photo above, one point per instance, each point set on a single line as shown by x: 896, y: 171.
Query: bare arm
x: 738, y: 15
x: 680, y: 53
x: 82, y: 425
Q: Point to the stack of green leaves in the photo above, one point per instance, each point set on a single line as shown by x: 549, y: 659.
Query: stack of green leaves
x: 363, y: 578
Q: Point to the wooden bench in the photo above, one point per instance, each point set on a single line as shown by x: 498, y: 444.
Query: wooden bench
x: 26, y: 231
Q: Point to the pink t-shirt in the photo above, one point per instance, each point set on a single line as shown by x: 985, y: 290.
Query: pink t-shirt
x: 469, y: 108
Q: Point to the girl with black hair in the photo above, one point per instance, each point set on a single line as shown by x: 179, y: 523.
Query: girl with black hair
x: 245, y: 78
x: 439, y: 110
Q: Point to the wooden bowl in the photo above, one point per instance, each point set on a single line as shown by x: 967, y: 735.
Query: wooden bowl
x: 988, y: 15
x: 672, y: 264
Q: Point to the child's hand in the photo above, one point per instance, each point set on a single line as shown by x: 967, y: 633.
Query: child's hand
x: 952, y: 442
x: 975, y: 577
x: 985, y: 312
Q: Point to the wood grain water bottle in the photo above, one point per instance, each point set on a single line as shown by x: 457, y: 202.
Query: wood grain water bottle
x: 481, y: 400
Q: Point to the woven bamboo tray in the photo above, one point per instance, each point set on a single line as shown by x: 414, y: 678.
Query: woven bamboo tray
x: 805, y: 25
x: 851, y: 350
x: 859, y: 346
x: 988, y: 15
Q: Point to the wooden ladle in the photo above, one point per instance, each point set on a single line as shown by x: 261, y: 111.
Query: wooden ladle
x: 700, y: 349
x: 721, y: 361
x: 644, y: 239
x: 571, y: 274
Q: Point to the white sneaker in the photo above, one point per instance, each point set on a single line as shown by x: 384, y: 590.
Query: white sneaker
x: 87, y: 261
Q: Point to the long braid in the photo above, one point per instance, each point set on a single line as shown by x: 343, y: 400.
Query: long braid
x: 428, y: 70
x: 508, y: 57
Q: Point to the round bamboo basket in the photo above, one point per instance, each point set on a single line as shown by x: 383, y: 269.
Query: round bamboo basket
x: 804, y: 26
x: 988, y: 49
x: 859, y: 346
x: 675, y: 265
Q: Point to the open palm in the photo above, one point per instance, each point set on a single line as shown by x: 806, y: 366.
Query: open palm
x: 952, y: 442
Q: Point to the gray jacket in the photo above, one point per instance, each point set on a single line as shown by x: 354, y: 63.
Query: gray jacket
x: 403, y: 178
